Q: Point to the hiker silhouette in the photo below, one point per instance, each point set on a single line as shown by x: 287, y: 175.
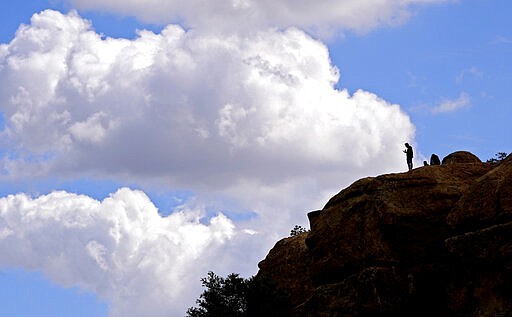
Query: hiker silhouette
x: 434, y: 160
x: 409, y: 154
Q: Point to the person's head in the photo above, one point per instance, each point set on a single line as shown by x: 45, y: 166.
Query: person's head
x: 407, y: 145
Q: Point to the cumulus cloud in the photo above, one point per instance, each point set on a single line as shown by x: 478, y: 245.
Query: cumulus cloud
x: 462, y: 101
x: 119, y: 248
x: 198, y: 109
x: 319, y: 17
x: 253, y: 120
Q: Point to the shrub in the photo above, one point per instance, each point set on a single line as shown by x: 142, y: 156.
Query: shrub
x: 297, y: 230
x: 500, y: 156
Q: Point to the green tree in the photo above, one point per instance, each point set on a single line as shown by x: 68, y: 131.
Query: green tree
x: 266, y: 299
x: 297, y: 230
x: 222, y: 297
x: 234, y: 296
x: 500, y: 156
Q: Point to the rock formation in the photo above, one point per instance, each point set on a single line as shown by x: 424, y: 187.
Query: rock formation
x: 436, y: 241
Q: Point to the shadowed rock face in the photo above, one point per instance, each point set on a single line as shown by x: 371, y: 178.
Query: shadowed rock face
x: 436, y: 241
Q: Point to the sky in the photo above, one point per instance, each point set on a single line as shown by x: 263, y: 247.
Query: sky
x: 145, y: 143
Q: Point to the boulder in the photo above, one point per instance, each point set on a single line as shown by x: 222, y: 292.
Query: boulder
x: 488, y: 201
x: 460, y: 157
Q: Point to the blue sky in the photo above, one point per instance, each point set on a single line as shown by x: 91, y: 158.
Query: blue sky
x: 443, y: 51
x: 223, y: 132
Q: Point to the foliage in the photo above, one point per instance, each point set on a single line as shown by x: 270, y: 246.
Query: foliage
x: 297, y: 230
x: 222, y: 297
x: 265, y: 299
x: 500, y: 156
x: 234, y: 296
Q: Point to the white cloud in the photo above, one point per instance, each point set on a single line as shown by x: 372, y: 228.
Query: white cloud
x: 472, y: 72
x: 191, y: 109
x: 120, y: 248
x: 252, y: 120
x: 462, y: 101
x: 319, y: 17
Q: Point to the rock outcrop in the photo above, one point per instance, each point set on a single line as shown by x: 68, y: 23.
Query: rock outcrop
x: 435, y: 241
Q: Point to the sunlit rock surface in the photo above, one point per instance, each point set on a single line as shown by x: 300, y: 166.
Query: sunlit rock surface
x: 436, y: 241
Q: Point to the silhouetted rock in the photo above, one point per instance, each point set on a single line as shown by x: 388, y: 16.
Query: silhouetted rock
x: 436, y: 241
x: 488, y: 201
x: 292, y: 267
x: 460, y: 157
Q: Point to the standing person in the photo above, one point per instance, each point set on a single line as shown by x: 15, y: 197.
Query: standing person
x: 408, y: 152
x: 434, y: 160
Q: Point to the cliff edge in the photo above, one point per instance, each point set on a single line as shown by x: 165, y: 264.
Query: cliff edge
x: 436, y: 241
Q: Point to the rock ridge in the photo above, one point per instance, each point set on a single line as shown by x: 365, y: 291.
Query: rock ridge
x: 435, y: 241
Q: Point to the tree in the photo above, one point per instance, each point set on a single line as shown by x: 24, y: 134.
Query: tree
x: 222, y: 297
x: 266, y: 299
x: 500, y: 156
x: 297, y: 230
x: 234, y: 296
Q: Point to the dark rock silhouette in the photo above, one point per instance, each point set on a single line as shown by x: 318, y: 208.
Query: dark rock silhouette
x: 434, y: 160
x: 460, y: 157
x: 436, y: 241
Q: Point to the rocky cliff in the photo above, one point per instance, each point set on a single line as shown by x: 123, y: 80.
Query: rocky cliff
x: 436, y: 241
